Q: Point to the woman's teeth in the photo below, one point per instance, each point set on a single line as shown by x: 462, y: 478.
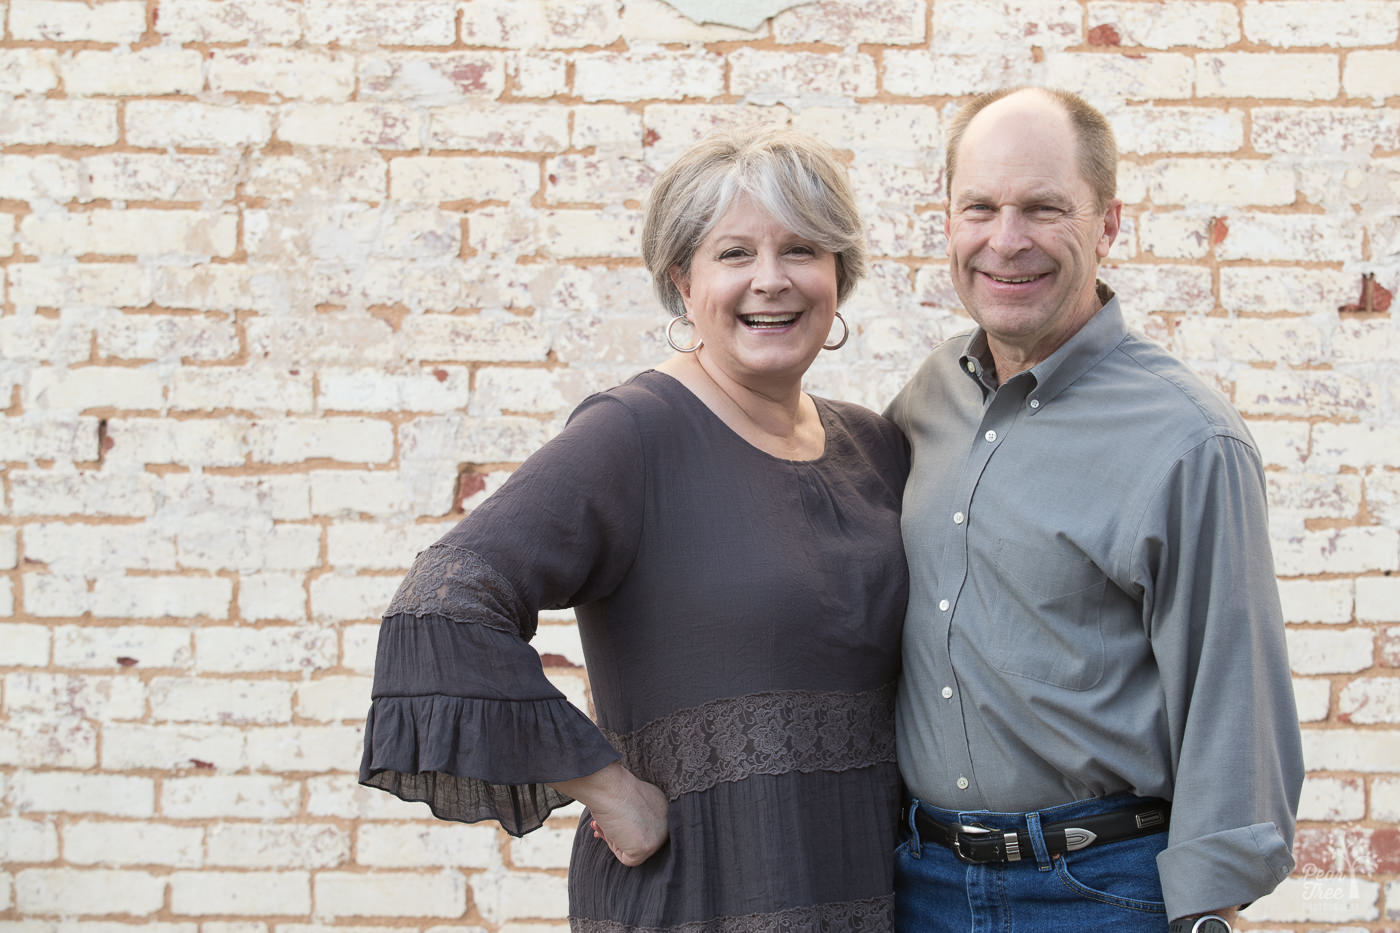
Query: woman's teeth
x: 768, y: 320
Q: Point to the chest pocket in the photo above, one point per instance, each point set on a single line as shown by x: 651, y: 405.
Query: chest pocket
x: 1052, y: 622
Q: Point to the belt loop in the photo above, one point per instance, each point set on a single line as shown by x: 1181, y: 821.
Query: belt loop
x: 915, y: 844
x: 1042, y: 854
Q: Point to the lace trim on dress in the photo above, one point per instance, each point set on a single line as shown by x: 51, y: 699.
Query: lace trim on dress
x: 762, y: 733
x: 458, y: 584
x: 867, y: 916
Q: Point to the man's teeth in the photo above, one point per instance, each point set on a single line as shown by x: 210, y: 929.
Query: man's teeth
x: 1014, y: 281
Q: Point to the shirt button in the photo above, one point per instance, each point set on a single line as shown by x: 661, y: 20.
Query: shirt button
x: 943, y: 605
x: 991, y: 436
x: 962, y: 783
x: 972, y: 367
x: 947, y: 693
x: 958, y: 518
x: 1035, y: 403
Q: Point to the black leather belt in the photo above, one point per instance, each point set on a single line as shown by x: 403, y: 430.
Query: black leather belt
x: 982, y: 844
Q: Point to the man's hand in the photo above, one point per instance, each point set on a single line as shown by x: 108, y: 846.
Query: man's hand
x: 628, y: 813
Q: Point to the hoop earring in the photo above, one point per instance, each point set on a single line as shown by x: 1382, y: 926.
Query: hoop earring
x: 845, y: 332
x: 671, y: 339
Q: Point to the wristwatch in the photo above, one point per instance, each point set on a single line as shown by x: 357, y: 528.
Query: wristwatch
x: 1207, y: 923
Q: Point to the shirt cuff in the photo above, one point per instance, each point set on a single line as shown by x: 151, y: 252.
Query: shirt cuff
x: 1224, y: 869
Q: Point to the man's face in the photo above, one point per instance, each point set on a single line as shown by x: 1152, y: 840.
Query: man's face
x: 1025, y: 233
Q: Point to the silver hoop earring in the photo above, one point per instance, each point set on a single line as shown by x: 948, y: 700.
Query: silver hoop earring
x: 845, y: 332
x: 671, y: 338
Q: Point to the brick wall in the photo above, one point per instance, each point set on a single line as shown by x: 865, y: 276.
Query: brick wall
x: 289, y: 284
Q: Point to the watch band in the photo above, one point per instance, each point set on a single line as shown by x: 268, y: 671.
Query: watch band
x: 1206, y: 923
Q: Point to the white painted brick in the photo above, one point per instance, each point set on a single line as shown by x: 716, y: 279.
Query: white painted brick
x: 390, y: 894
x: 1338, y: 550
x: 553, y: 24
x: 132, y: 231
x: 150, y: 71
x: 1200, y: 24
x: 1313, y: 698
x: 265, y: 596
x: 1288, y: 237
x: 69, y: 792
x: 251, y: 845
x: 436, y: 285
x: 1328, y: 601
x: 157, y: 124
x: 1358, y: 445
x: 138, y: 176
x: 358, y: 644
x: 1383, y: 495
x: 1373, y: 751
x: 221, y: 700
x: 607, y: 128
x: 1175, y: 235
x: 1319, y: 899
x: 1330, y: 651
x: 1324, y: 131
x: 432, y: 78
x: 333, y: 699
x: 658, y: 21
x: 290, y: 74
x: 1374, y: 74
x: 46, y: 492
x: 250, y: 893
x: 104, y: 647
x: 1378, y: 599
x: 257, y: 22
x: 1370, y: 700
x: 563, y: 234
x: 9, y: 549
x: 767, y: 78
x: 544, y: 848
x: 49, y: 437
x: 1296, y: 341
x: 57, y: 121
x: 1385, y: 799
x: 422, y: 22
x: 520, y: 894
x: 187, y: 496
x: 28, y: 71
x: 650, y: 74
x: 289, y: 649
x: 306, y: 748
x: 252, y: 388
x: 416, y: 490
x: 101, y: 842
x: 60, y: 21
x: 223, y: 287
x: 342, y: 598
x: 1152, y: 129
x: 439, y: 389
x: 436, y: 179
x: 604, y: 179
x: 1161, y: 288
x: 1264, y: 289
x: 65, y: 284
x: 98, y: 891
x: 1332, y: 799
x: 922, y: 73
x: 26, y: 645
x: 875, y: 130
x: 189, y: 338
x: 254, y: 796
x: 1303, y: 23
x: 375, y: 546
x: 481, y: 440
x: 66, y: 339
x: 134, y: 442
x: 38, y: 178
x: 1299, y: 76
x: 1153, y: 76
x: 147, y: 597
x: 335, y: 796
x: 130, y: 747
x: 487, y: 337
x: 1234, y: 182
x: 1366, y: 342
x: 375, y: 126
x: 324, y: 340
x: 445, y: 845
x: 51, y: 595
x: 671, y: 129
x: 1303, y: 393
x: 7, y: 597
x: 541, y: 75
x: 849, y: 22
x: 560, y: 640
x: 88, y: 697
x: 1315, y: 496
x: 497, y: 128
x: 979, y: 26
x: 87, y: 387
x: 23, y: 840
x: 502, y: 390
x: 351, y: 440
x: 44, y: 741
x: 327, y: 173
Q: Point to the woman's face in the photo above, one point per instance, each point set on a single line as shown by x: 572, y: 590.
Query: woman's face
x: 762, y: 298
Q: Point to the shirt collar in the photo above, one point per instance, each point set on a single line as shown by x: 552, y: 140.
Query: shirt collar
x: 1052, y: 375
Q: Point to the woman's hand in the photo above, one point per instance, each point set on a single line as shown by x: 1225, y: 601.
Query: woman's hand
x: 628, y: 813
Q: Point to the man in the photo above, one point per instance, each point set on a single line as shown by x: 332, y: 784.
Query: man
x: 1096, y: 722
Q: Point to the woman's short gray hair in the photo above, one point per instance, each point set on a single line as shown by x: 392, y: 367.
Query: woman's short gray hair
x: 790, y: 175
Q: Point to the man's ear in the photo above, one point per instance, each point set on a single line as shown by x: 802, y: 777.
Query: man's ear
x: 1112, y: 223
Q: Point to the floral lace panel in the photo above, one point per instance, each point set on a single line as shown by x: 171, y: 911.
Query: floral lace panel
x: 868, y: 916
x: 762, y: 733
x: 458, y: 584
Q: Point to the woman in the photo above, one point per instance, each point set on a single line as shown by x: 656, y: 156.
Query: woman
x: 731, y: 546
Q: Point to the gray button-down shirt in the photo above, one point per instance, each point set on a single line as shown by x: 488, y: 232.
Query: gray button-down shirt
x: 1093, y: 606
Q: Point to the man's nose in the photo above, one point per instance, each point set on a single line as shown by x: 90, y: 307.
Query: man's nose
x: 1010, y: 234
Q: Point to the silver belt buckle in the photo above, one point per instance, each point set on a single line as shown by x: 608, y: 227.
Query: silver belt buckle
x: 970, y: 829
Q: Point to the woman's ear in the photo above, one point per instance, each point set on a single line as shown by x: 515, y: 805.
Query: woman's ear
x: 681, y: 279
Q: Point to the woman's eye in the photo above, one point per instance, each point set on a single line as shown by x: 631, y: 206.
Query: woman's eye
x: 732, y: 253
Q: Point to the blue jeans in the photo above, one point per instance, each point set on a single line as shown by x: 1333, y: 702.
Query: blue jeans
x: 1109, y: 887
